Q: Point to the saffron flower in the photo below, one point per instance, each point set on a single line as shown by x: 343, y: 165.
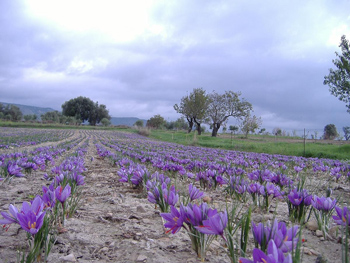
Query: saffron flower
x: 62, y: 194
x: 174, y: 220
x: 214, y: 225
x: 195, y: 193
x: 343, y: 216
x: 274, y: 255
x: 31, y: 222
x: 323, y: 203
x: 10, y: 218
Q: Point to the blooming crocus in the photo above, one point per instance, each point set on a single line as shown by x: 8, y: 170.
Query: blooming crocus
x: 194, y: 192
x: 214, y: 225
x: 14, y: 170
x: 274, y: 255
x: 31, y: 222
x: 343, y: 216
x: 323, y: 203
x: 11, y: 217
x: 62, y: 194
x: 174, y: 220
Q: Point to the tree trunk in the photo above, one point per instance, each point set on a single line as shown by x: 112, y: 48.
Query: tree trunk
x: 216, y: 127
x: 190, y: 124
x: 198, y: 124
x: 199, y: 130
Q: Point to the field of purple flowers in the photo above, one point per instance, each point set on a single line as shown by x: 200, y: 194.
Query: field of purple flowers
x: 84, y: 196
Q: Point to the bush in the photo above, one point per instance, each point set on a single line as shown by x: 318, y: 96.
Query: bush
x: 143, y: 132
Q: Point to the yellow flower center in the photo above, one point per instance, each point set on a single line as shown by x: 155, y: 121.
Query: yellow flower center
x: 31, y: 225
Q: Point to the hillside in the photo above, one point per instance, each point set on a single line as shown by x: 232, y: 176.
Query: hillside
x: 38, y: 111
x: 29, y: 110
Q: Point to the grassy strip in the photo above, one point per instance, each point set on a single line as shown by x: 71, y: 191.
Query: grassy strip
x: 259, y: 144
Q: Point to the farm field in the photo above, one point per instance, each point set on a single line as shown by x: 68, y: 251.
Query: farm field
x: 116, y: 219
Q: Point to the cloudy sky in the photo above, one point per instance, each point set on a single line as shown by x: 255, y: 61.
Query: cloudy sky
x: 141, y: 57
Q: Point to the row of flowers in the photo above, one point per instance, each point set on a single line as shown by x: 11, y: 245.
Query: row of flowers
x: 17, y: 164
x: 43, y: 217
x: 262, y: 177
x: 18, y: 137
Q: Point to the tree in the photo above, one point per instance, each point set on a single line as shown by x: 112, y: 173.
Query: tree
x: 339, y: 80
x: 277, y: 131
x: 156, y: 122
x: 105, y: 122
x: 221, y: 107
x: 51, y: 116
x: 12, y: 113
x: 85, y: 109
x: 139, y: 123
x: 250, y: 124
x: 330, y: 132
x: 346, y: 131
x: 193, y: 108
x: 233, y: 128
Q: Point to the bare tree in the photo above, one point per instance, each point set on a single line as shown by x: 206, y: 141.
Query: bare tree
x: 221, y: 107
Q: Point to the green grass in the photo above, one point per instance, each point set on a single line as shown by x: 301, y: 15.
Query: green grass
x: 259, y: 144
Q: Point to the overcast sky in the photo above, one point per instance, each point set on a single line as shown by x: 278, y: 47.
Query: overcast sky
x: 141, y: 57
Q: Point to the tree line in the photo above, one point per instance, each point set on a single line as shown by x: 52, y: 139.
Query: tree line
x: 74, y: 112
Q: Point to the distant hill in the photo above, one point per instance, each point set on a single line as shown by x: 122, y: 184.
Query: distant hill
x: 129, y: 121
x: 38, y: 111
x: 30, y: 110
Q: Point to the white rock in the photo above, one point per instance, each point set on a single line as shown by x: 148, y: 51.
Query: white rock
x: 141, y: 258
x: 68, y: 258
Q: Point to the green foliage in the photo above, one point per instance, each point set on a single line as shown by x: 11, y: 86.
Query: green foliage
x: 194, y: 107
x: 250, y: 124
x: 139, y: 123
x: 156, y: 122
x: 339, y: 80
x: 223, y: 106
x: 330, y: 132
x: 105, y: 122
x: 86, y: 110
x: 10, y: 112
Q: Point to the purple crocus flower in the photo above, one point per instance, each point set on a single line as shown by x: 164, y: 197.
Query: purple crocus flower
x: 323, y: 203
x: 171, y: 197
x: 343, y: 216
x: 274, y: 255
x: 10, y: 218
x: 31, y: 222
x: 214, y: 225
x: 194, y: 192
x: 174, y: 220
x: 62, y: 194
x: 14, y: 170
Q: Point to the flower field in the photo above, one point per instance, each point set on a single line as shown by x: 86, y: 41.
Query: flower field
x: 107, y: 196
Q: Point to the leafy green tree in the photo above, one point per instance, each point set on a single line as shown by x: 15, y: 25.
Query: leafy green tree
x: 250, y: 124
x: 233, y: 129
x: 51, y: 116
x: 339, y: 80
x: 330, y: 132
x: 105, y: 122
x: 194, y: 107
x: 346, y: 131
x: 156, y: 122
x: 277, y: 131
x: 223, y: 106
x: 85, y: 109
x: 12, y: 113
x: 27, y: 117
x: 139, y: 123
